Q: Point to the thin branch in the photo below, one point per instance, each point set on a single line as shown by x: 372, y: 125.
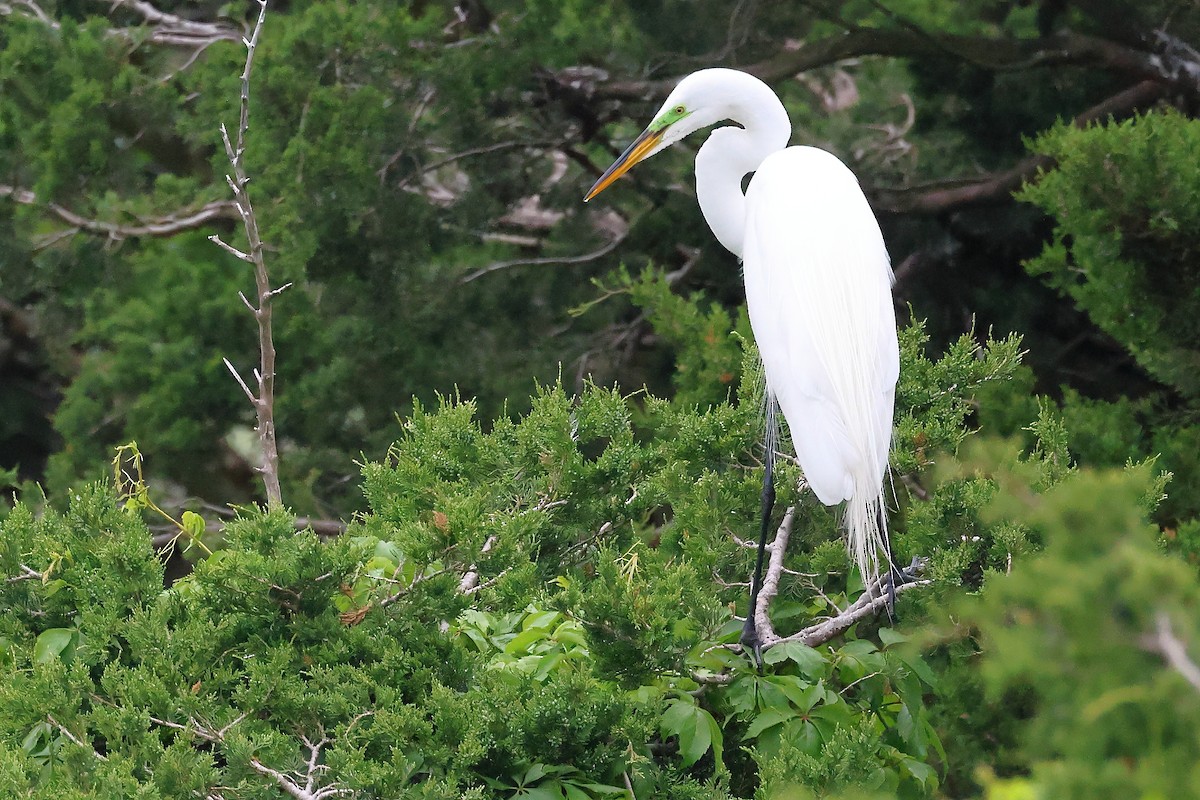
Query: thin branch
x: 228, y: 248
x: 770, y: 584
x: 74, y: 739
x: 552, y: 260
x: 166, y: 225
x: 264, y: 400
x: 28, y: 573
x: 441, y: 162
x: 237, y: 377
x: 1173, y: 651
x: 871, y: 602
x: 999, y: 186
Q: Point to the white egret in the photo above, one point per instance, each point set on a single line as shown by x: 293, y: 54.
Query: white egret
x: 818, y: 289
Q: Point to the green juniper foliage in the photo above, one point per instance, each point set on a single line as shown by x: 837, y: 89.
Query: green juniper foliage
x: 540, y: 606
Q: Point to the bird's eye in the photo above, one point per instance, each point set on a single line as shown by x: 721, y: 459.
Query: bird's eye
x: 679, y: 109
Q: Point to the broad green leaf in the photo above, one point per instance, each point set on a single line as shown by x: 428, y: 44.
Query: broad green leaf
x: 540, y: 620
x: 51, y: 643
x: 546, y: 665
x: 768, y: 719
x: 525, y: 640
x: 573, y: 792
x: 809, y: 661
x: 695, y: 728
x: 389, y: 550
x: 800, y: 692
x: 919, y: 668
x: 193, y: 525
x: 769, y: 695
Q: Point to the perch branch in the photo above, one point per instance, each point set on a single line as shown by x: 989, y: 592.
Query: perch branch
x: 264, y: 400
x: 871, y: 602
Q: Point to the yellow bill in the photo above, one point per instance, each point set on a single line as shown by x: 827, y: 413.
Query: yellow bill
x: 640, y: 148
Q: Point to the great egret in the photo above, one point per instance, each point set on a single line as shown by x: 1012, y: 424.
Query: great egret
x: 818, y: 289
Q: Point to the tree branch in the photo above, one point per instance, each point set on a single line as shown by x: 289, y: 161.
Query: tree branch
x: 170, y: 29
x: 166, y: 225
x: 1174, y: 66
x: 999, y: 186
x: 551, y: 260
x: 873, y: 600
x: 1173, y: 651
x: 264, y: 400
x: 869, y: 603
x: 74, y: 739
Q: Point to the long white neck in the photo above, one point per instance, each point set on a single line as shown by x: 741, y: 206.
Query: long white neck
x: 730, y: 153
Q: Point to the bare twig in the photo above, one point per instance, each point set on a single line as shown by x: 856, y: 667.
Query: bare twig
x: 308, y: 791
x: 264, y: 400
x: 1165, y: 642
x: 74, y: 739
x: 552, y: 260
x: 166, y: 225
x: 28, y: 573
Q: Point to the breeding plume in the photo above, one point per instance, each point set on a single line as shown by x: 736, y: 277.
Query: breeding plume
x: 818, y: 289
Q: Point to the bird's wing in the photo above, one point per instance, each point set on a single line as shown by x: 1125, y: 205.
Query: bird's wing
x: 818, y: 287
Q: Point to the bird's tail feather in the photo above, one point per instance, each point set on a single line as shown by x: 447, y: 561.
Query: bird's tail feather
x: 867, y: 534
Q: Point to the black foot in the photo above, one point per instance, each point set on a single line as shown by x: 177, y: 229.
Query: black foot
x: 898, y: 576
x: 751, y: 643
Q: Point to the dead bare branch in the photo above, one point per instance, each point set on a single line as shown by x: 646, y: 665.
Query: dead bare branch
x: 73, y: 738
x: 170, y: 29
x: 551, y: 260
x: 166, y: 225
x: 28, y: 573
x: 264, y: 400
x: 1166, y: 643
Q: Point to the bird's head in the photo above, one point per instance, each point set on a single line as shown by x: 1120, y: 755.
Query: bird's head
x: 694, y: 104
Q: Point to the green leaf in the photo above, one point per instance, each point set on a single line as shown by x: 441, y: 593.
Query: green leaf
x: 51, y: 643
x: 890, y: 636
x: 540, y: 620
x: 800, y: 692
x: 573, y: 792
x: 810, y: 662
x: 525, y: 640
x: 696, y: 729
x: 193, y: 525
x: 768, y: 719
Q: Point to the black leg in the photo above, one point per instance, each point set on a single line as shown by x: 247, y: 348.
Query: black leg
x: 749, y: 638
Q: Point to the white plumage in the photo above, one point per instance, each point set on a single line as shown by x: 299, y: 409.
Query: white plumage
x: 818, y: 285
x: 820, y: 303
